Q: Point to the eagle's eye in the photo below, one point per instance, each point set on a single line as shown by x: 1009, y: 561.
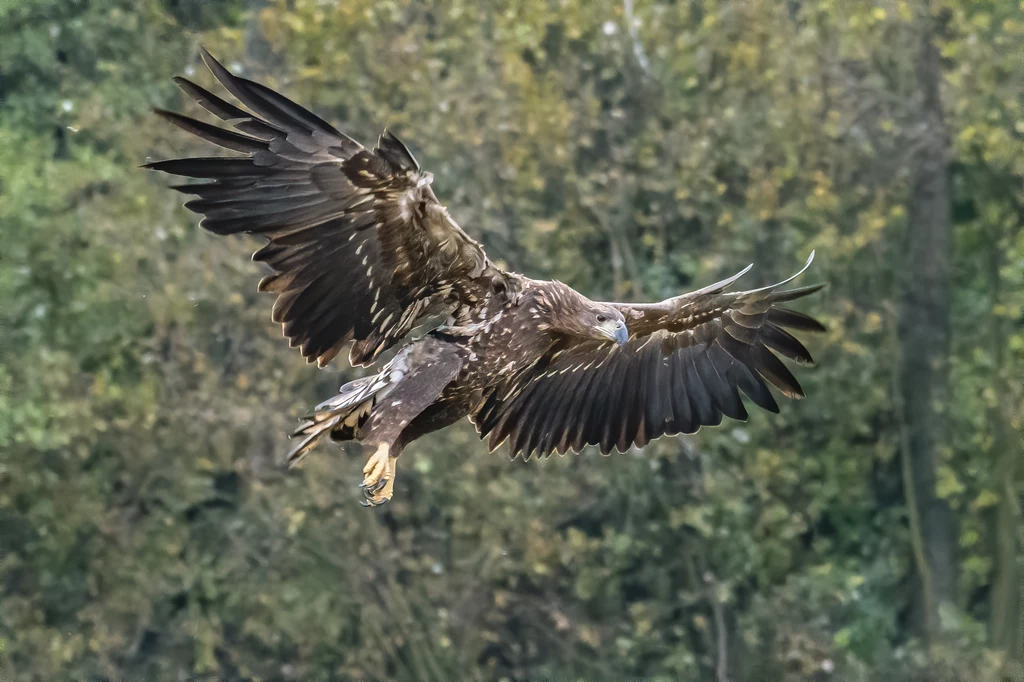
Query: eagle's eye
x: 602, y: 318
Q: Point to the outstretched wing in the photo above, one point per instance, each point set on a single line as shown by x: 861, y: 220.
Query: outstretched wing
x: 359, y: 246
x: 685, y: 362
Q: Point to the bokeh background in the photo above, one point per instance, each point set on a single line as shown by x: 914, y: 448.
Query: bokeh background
x: 633, y: 149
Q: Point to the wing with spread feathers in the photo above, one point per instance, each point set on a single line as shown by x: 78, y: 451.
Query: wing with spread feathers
x: 685, y: 363
x: 359, y: 246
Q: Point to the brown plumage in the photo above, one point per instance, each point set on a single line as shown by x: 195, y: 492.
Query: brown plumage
x: 361, y: 252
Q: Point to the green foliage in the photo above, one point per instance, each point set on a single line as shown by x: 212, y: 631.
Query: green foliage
x: 146, y: 526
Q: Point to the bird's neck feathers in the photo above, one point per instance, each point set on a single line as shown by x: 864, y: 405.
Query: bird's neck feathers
x: 556, y: 307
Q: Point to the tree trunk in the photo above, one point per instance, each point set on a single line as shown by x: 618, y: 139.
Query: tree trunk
x: 924, y: 340
x: 1005, y: 610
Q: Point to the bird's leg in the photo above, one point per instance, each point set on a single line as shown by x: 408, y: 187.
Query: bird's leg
x: 431, y: 365
x: 379, y: 476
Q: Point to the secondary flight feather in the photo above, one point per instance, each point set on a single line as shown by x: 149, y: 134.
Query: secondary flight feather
x: 361, y: 252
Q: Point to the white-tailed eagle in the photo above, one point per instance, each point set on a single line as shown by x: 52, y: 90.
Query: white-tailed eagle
x: 361, y: 252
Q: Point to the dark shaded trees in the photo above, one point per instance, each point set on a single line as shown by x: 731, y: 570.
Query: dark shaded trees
x: 925, y: 337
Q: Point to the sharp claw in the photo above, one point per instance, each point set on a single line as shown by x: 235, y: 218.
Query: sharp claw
x: 371, y: 502
x: 377, y: 475
x: 372, y: 488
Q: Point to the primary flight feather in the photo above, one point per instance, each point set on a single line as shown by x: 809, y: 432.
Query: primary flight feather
x: 361, y: 252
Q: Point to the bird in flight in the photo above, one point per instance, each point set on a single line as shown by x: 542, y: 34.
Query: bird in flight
x: 361, y: 252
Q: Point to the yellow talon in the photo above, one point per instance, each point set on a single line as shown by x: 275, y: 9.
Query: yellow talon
x: 376, y: 465
x: 379, y: 476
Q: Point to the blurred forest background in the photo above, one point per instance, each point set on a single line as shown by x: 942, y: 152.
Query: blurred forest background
x: 633, y: 149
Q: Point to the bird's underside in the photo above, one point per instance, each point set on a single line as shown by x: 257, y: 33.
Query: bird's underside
x: 361, y: 252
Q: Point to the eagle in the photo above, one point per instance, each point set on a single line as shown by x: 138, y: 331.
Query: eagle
x: 361, y: 253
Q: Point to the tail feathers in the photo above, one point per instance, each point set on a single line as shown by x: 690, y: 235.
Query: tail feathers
x: 349, y: 394
x: 338, y: 417
x: 313, y: 431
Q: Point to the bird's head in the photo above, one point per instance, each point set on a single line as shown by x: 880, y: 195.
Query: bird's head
x: 606, y: 323
x: 568, y: 312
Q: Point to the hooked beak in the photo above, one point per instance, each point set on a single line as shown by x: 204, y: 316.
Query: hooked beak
x: 616, y: 331
x: 621, y: 333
